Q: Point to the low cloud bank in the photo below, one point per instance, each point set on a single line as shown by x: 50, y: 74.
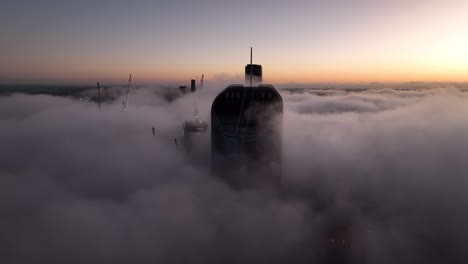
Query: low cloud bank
x: 83, y: 185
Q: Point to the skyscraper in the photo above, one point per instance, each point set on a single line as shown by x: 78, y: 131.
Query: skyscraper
x: 246, y: 138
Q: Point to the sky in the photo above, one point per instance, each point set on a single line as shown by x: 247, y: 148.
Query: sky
x: 298, y: 41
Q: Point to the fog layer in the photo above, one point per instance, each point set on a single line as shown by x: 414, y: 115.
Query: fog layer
x: 80, y: 184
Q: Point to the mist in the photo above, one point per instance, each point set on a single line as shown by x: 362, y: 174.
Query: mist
x: 79, y: 184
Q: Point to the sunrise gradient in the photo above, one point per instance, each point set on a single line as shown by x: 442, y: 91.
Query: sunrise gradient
x: 295, y: 41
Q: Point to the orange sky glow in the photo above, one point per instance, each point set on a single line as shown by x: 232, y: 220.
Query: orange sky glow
x: 394, y: 41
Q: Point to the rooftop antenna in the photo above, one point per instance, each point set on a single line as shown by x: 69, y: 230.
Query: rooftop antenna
x: 251, y: 67
x: 125, y: 103
x: 243, y: 96
x: 99, y: 95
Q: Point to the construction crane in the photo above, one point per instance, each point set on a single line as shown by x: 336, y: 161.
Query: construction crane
x: 125, y: 102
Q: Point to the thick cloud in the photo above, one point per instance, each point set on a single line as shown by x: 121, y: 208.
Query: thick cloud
x: 398, y: 168
x: 82, y: 185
